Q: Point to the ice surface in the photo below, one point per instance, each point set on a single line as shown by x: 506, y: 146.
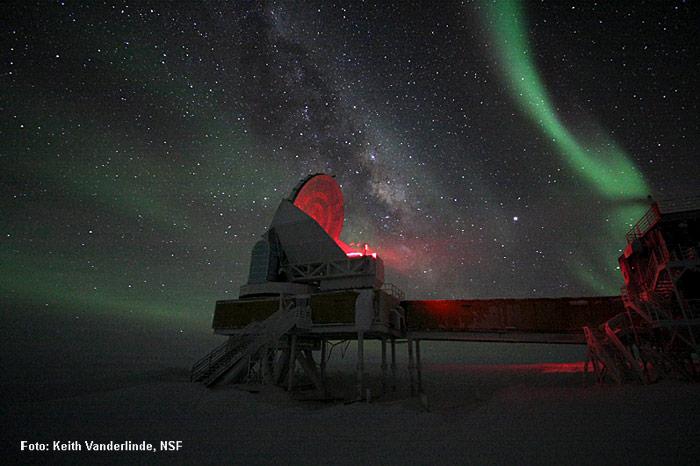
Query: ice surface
x: 489, y: 403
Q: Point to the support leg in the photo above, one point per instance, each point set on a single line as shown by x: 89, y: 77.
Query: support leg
x: 418, y: 368
x: 323, y: 368
x: 281, y: 367
x: 292, y: 363
x: 360, y: 364
x: 384, y: 366
x: 393, y: 364
x: 323, y: 360
x: 410, y: 365
x: 306, y: 360
x: 265, y: 365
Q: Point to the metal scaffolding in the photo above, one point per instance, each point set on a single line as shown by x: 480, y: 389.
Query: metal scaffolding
x: 658, y: 334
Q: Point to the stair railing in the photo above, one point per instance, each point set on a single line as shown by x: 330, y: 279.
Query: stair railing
x: 644, y: 224
x: 202, y: 365
x: 612, y: 328
x: 266, y: 331
x: 630, y: 301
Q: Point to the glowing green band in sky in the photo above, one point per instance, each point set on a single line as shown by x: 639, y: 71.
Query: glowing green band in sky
x: 605, y: 166
x: 602, y: 164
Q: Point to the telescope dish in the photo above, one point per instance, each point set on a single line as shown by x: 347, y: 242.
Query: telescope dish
x: 319, y: 196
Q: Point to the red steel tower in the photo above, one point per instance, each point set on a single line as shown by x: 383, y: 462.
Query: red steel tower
x: 660, y: 332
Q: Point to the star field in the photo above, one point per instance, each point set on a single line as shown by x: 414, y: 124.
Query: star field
x: 485, y: 149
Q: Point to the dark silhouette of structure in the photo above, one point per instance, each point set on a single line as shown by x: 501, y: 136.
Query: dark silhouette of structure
x: 307, y: 289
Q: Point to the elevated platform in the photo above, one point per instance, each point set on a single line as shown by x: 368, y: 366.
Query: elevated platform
x: 509, y: 319
x: 342, y: 314
x: 329, y: 314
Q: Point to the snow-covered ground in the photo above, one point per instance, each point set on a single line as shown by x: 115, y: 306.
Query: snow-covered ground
x: 488, y: 403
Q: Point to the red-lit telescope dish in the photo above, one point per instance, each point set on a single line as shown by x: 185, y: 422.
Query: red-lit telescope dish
x: 320, y: 197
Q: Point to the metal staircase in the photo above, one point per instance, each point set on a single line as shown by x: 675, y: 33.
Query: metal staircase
x: 610, y: 355
x: 665, y: 287
x: 600, y: 357
x: 232, y: 360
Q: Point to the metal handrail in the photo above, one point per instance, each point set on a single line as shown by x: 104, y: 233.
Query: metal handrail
x: 650, y: 218
x: 611, y: 328
x: 266, y: 328
x: 630, y: 301
x: 346, y: 267
x: 213, y: 355
x: 394, y: 291
x: 205, y: 362
x: 270, y: 330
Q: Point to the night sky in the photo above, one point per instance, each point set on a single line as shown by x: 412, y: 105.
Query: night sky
x: 484, y: 149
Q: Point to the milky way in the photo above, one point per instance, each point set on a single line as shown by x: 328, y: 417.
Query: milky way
x: 484, y: 150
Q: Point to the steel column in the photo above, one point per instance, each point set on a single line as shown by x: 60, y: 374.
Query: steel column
x: 360, y: 364
x: 384, y: 365
x: 393, y: 364
x: 292, y: 363
x: 418, y: 368
x: 411, y: 366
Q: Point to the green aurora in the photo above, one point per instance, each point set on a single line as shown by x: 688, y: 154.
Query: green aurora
x: 616, y: 185
x: 153, y: 252
x: 97, y: 280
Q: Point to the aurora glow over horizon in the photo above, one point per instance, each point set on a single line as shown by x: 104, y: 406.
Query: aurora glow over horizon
x: 484, y: 149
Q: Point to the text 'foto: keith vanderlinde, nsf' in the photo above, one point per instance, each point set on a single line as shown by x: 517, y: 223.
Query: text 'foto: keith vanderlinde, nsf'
x: 89, y: 445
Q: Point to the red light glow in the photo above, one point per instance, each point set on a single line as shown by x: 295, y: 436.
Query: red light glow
x: 543, y: 368
x: 321, y: 199
x: 364, y: 250
x: 359, y: 254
